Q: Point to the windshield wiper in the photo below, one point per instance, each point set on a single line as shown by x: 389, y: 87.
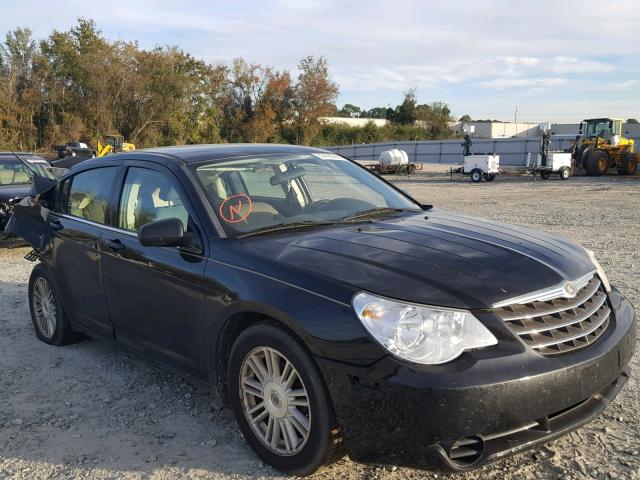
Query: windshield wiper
x: 375, y: 211
x: 284, y: 226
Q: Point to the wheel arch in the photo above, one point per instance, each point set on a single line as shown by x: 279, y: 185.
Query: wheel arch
x: 230, y: 329
x: 53, y: 281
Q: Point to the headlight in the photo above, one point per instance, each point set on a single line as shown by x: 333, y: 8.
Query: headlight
x: 599, y: 270
x: 420, y: 334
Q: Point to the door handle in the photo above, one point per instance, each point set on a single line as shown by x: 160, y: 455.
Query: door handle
x: 114, y: 245
x: 56, y: 225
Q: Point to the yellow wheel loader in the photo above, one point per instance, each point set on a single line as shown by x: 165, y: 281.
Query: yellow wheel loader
x: 113, y: 144
x: 600, y: 146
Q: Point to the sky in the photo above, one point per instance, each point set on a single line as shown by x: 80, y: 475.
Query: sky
x: 553, y: 60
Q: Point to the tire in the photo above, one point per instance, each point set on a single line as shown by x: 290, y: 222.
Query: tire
x: 476, y: 175
x: 629, y: 163
x: 545, y: 175
x: 565, y: 173
x: 47, y: 314
x: 597, y: 163
x: 489, y: 177
x: 297, y: 455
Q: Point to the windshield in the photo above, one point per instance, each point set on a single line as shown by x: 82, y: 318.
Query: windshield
x: 14, y: 172
x: 42, y: 169
x: 602, y: 128
x: 278, y: 190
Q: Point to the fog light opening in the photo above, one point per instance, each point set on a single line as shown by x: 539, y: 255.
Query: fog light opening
x: 466, y: 451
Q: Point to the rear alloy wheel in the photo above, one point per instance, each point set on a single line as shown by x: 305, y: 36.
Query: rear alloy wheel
x: 280, y: 401
x: 565, y: 173
x: 49, y: 320
x: 597, y: 163
x: 629, y: 163
x: 44, y: 308
x: 476, y: 175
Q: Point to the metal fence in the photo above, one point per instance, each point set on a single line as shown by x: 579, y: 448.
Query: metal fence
x: 512, y: 151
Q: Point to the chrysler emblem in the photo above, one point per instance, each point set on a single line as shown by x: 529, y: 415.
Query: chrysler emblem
x: 570, y: 289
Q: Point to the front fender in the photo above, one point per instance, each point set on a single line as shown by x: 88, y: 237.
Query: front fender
x: 328, y: 328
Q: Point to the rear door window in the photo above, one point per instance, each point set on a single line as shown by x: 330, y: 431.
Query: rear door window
x: 14, y: 172
x: 89, y: 194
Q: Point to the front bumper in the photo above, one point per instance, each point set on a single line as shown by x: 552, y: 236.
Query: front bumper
x: 481, y: 407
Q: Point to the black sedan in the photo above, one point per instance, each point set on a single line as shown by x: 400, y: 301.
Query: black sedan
x: 332, y: 312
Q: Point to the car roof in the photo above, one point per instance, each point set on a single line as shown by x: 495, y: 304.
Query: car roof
x: 24, y: 156
x: 200, y: 153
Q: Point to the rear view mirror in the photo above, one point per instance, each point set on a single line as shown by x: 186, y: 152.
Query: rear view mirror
x: 285, y: 177
x: 168, y: 232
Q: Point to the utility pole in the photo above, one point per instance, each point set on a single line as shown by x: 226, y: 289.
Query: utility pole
x: 515, y: 116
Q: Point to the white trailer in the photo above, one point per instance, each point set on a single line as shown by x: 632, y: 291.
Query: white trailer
x: 557, y: 162
x: 481, y: 166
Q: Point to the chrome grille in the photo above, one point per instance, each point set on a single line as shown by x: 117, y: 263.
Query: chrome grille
x: 560, y: 325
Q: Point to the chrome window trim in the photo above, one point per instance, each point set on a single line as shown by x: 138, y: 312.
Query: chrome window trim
x: 96, y: 224
x: 556, y: 291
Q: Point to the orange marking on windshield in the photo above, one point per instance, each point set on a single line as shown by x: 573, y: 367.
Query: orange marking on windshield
x: 236, y: 208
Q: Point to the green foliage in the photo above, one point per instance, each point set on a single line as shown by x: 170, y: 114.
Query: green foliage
x: 405, y: 113
x: 76, y: 85
x: 349, y: 111
x: 632, y: 120
x: 377, y: 112
x: 342, y: 134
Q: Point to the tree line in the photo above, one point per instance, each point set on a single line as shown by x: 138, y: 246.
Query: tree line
x: 76, y: 85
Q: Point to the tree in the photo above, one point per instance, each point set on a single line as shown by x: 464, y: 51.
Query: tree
x: 78, y: 85
x: 632, y: 121
x: 19, y: 92
x: 465, y: 119
x: 376, y: 112
x: 314, y: 95
x: 436, y: 118
x: 349, y: 111
x: 406, y: 112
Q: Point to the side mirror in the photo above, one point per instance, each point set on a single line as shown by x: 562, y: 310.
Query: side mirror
x: 168, y: 232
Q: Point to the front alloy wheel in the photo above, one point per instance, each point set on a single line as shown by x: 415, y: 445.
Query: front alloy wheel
x: 275, y: 401
x: 281, y: 402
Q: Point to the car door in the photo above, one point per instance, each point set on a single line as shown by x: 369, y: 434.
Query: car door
x: 155, y: 294
x: 82, y: 212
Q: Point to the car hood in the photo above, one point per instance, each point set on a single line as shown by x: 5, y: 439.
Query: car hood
x: 437, y: 257
x: 7, y: 192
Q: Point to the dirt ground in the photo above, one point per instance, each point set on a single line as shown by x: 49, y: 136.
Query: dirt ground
x: 91, y: 410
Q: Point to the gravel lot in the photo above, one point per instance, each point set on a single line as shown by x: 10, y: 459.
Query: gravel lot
x: 94, y: 411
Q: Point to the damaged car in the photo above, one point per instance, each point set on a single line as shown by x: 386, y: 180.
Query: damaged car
x: 17, y: 173
x: 333, y: 313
